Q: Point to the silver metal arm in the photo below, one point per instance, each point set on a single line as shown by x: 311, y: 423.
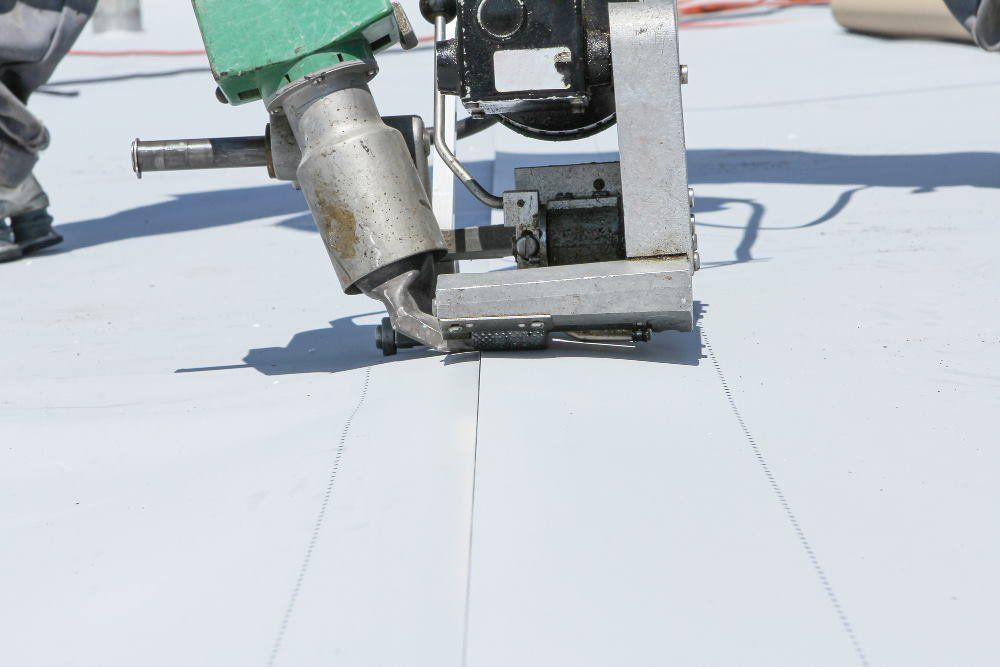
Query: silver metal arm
x: 184, y: 154
x: 449, y: 158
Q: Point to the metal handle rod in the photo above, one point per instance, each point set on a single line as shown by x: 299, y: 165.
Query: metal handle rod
x: 468, y: 127
x: 449, y: 158
x: 185, y: 154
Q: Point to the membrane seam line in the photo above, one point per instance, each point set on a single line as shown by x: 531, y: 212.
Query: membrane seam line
x: 320, y: 520
x: 472, y: 517
x: 772, y: 481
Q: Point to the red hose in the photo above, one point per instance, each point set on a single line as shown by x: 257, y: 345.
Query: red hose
x: 695, y: 7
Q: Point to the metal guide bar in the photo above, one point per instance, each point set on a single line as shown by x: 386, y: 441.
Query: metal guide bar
x: 651, y: 128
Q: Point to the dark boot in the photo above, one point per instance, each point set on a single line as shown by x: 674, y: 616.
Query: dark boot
x: 8, y: 249
x: 33, y: 231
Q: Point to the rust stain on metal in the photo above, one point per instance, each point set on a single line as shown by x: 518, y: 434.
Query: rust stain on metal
x: 340, y: 228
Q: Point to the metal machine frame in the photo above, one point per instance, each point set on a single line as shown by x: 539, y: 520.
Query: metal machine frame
x: 604, y: 251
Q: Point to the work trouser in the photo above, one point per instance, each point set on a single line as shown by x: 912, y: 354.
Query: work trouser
x: 982, y: 18
x: 34, y: 37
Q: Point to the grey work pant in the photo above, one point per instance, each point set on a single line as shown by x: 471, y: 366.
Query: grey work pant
x: 982, y: 18
x: 34, y: 37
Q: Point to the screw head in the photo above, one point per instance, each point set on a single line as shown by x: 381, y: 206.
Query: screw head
x: 527, y: 247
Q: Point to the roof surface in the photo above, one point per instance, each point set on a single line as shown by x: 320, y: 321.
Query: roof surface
x: 205, y: 461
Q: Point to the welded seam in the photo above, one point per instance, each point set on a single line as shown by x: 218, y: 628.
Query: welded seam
x: 320, y: 519
x: 758, y: 454
x: 472, y: 516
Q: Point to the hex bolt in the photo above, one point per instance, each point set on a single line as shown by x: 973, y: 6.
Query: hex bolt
x: 538, y: 325
x: 642, y: 334
x: 691, y: 196
x: 684, y: 74
x: 456, y: 329
x: 697, y: 261
x: 407, y: 38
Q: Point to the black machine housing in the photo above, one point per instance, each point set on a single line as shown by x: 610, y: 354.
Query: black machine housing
x: 543, y: 67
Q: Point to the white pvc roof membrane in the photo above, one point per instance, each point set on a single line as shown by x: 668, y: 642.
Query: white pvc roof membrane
x: 205, y: 461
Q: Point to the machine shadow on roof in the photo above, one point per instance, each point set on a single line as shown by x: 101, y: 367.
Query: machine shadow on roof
x: 346, y: 345
x: 918, y: 173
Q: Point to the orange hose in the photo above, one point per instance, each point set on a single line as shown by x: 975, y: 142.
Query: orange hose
x: 694, y: 7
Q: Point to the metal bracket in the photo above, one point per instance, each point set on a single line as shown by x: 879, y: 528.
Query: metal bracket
x: 603, y: 295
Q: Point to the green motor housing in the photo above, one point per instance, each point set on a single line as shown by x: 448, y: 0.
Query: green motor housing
x: 256, y: 47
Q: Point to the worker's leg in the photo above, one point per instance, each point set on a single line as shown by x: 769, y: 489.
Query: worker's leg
x: 34, y: 37
x: 21, y: 137
x: 982, y: 18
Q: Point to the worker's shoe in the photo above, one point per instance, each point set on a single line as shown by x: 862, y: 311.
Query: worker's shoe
x: 33, y: 231
x: 30, y: 222
x: 8, y: 249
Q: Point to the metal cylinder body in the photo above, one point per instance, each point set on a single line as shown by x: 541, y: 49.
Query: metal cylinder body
x: 284, y: 155
x: 184, y: 154
x: 904, y: 18
x: 358, y: 177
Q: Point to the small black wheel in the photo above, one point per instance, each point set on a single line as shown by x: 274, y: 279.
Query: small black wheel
x: 385, y: 338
